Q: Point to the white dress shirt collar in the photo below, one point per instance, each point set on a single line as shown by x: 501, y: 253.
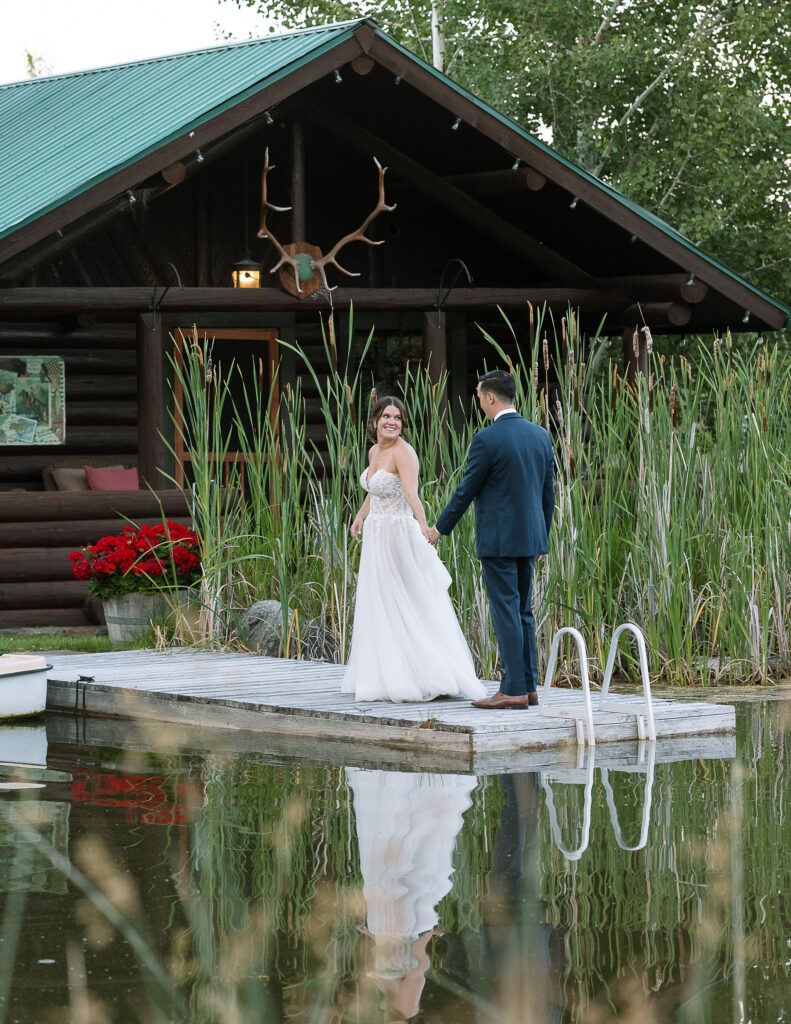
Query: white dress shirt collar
x: 503, y: 412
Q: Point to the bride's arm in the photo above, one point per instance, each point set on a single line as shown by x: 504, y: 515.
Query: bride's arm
x: 407, y: 465
x: 359, y: 519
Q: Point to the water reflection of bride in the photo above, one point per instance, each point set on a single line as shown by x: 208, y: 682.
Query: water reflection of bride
x: 407, y: 826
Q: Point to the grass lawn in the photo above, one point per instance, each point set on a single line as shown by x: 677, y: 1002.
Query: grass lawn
x: 26, y: 643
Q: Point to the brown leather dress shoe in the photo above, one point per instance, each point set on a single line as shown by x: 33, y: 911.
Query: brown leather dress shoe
x: 532, y: 699
x: 504, y: 700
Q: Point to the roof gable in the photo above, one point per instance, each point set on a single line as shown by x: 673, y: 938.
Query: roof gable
x: 77, y: 158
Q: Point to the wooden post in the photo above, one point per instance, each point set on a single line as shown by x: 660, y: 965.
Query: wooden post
x: 298, y: 223
x: 458, y: 385
x: 150, y: 406
x: 202, y: 234
x: 435, y: 354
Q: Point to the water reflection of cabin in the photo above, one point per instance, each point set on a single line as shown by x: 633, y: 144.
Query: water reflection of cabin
x: 128, y: 194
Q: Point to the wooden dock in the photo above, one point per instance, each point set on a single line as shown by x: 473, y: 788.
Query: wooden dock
x: 298, y: 704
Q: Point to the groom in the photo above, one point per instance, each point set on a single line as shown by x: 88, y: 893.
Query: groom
x: 509, y: 476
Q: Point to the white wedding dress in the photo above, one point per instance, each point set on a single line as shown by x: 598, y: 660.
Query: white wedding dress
x: 406, y: 643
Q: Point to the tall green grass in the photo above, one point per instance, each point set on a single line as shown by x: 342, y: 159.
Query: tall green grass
x: 673, y: 498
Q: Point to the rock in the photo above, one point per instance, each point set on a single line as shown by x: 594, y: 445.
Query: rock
x: 261, y: 625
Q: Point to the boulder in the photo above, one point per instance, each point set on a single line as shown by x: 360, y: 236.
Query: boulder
x: 261, y: 625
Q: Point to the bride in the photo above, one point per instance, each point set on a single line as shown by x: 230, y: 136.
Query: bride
x: 406, y: 642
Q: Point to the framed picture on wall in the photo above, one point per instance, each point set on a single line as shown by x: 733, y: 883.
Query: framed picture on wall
x: 32, y: 400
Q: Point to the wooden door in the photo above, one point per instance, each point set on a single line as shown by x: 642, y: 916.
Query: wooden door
x: 244, y: 342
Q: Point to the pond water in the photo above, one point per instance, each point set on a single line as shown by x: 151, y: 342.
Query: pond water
x: 144, y: 878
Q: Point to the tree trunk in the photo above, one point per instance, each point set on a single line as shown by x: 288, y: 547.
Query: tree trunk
x: 437, y: 35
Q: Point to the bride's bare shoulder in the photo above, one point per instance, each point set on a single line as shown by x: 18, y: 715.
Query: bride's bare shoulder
x: 404, y: 450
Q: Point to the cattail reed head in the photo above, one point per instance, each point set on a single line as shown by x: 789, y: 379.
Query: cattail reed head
x: 572, y: 462
x: 197, y: 349
x: 535, y: 378
x: 374, y: 399
x: 636, y: 344
x: 717, y: 350
x: 352, y: 407
x: 545, y: 348
x: 563, y: 330
x: 559, y: 413
x: 649, y: 341
x: 673, y: 406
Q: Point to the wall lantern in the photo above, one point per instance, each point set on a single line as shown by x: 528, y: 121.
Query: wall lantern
x: 246, y: 274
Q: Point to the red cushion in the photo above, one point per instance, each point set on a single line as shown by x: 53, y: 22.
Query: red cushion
x: 112, y: 479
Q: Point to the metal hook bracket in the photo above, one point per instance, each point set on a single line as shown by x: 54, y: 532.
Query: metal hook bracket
x: 157, y: 302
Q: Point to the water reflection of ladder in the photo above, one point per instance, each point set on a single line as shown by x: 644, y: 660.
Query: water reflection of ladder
x: 581, y: 709
x: 583, y: 774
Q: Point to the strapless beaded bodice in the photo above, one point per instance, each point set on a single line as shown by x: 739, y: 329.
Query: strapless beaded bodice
x: 387, y: 495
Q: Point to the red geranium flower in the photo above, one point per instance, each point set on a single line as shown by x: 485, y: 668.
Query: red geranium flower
x: 139, y: 558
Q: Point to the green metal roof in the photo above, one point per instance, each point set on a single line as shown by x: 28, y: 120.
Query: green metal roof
x: 62, y: 134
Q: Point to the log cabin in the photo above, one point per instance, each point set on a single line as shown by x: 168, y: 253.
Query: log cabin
x: 132, y: 199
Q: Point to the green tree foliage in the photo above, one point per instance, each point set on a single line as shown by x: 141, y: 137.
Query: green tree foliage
x: 684, y: 107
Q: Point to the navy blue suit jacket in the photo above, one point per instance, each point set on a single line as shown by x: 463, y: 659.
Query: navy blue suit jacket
x: 510, y: 477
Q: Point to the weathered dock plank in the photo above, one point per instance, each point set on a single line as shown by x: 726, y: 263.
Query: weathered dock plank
x: 301, y: 702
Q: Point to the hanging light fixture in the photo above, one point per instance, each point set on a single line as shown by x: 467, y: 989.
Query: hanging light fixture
x: 246, y: 273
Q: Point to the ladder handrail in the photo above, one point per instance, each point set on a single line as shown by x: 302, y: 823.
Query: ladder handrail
x: 583, y: 656
x: 643, y: 657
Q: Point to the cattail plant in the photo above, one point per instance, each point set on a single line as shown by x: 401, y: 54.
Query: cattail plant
x: 673, y: 497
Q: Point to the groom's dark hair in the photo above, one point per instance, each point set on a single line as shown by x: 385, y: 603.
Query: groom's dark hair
x: 500, y: 383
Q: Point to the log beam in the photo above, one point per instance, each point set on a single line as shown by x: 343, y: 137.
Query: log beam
x: 46, y: 506
x: 499, y: 183
x: 41, y: 302
x: 659, y: 286
x: 500, y: 230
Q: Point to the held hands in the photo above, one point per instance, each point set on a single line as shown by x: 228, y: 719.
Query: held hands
x: 432, y: 535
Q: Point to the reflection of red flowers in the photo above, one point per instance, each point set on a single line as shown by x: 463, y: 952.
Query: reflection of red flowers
x: 148, y: 799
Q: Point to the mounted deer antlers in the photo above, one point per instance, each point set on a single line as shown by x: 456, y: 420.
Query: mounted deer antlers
x: 306, y: 261
x: 265, y: 232
x: 356, y: 236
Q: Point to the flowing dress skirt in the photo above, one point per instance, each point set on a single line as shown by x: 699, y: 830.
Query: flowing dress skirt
x: 406, y: 644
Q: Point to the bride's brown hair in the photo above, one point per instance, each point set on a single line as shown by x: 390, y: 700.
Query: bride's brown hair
x: 376, y: 415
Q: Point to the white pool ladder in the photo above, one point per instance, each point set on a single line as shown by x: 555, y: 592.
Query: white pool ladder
x: 646, y: 727
x: 642, y: 732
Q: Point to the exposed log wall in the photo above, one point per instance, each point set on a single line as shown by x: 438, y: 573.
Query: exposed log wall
x: 37, y: 532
